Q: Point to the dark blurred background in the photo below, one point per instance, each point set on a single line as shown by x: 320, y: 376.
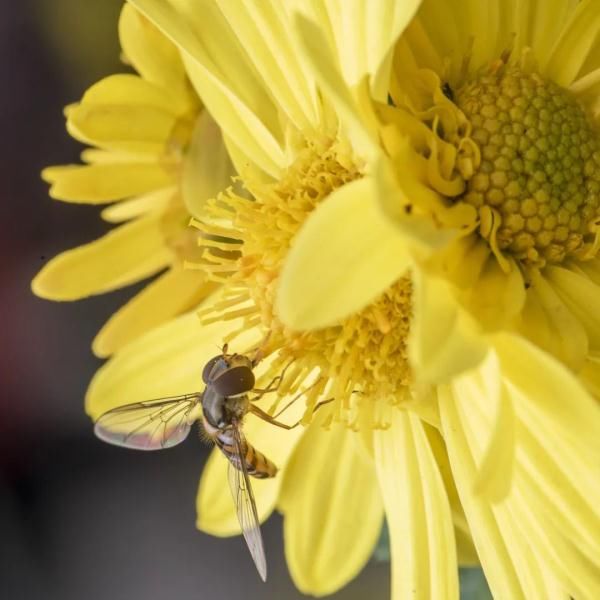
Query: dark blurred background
x: 78, y: 518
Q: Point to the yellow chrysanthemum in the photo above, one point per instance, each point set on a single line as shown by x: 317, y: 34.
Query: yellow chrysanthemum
x: 148, y: 132
x: 419, y: 234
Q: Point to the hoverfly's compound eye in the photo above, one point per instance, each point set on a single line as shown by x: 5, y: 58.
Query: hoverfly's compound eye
x: 234, y: 381
x: 209, y: 368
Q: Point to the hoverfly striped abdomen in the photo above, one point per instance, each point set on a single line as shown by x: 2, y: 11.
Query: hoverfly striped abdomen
x: 256, y: 463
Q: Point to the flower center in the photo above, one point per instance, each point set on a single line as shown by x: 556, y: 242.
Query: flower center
x: 539, y: 173
x: 246, y: 242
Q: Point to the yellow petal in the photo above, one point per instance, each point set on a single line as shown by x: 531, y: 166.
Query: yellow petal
x: 362, y: 34
x: 423, y: 550
x: 122, y: 127
x: 582, y: 297
x: 139, y: 206
x: 266, y: 28
x: 207, y: 169
x: 428, y: 229
x: 444, y: 339
x: 493, y: 552
x: 496, y: 297
x: 223, y: 77
x: 216, y: 510
x: 166, y: 361
x: 123, y: 256
x: 433, y: 33
x: 547, y: 322
x: 344, y: 256
x: 175, y: 292
x: 560, y: 453
x: 365, y: 33
x: 465, y: 549
x: 590, y: 375
x: 562, y: 486
x: 576, y: 41
x: 555, y: 399
x: 152, y: 55
x: 540, y: 24
x: 535, y: 540
x: 330, y: 530
x: 127, y: 89
x: 486, y: 412
x: 354, y: 111
x: 101, y: 183
x: 549, y: 523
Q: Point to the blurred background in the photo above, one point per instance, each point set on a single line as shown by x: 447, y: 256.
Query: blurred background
x: 81, y: 519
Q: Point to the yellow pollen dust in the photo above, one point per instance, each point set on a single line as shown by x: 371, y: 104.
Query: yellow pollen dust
x: 537, y: 187
x: 246, y: 241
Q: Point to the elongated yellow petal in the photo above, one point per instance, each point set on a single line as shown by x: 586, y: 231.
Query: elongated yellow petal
x: 575, y: 43
x: 561, y: 453
x: 548, y: 322
x: 582, y: 297
x: 565, y: 571
x: 152, y: 55
x: 540, y: 23
x: 223, y: 78
x: 590, y: 375
x: 141, y: 205
x: 207, y: 170
x: 216, y: 509
x: 266, y: 28
x: 127, y: 89
x: 124, y: 127
x: 354, y: 112
x: 549, y: 522
x: 363, y: 34
x: 493, y: 435
x: 435, y: 32
x: 496, y: 297
x: 344, y: 256
x: 166, y: 361
x: 399, y: 194
x: 123, y: 256
x: 175, y: 292
x: 493, y: 552
x: 102, y: 183
x: 329, y: 530
x: 423, y: 549
x: 444, y: 339
x: 545, y: 384
x: 465, y: 549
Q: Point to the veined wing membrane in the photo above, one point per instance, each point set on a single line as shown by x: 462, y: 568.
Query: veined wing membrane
x: 239, y: 482
x: 149, y: 425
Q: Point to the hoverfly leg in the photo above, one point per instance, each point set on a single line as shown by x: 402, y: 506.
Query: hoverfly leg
x: 273, y: 385
x: 310, y: 387
x: 273, y: 421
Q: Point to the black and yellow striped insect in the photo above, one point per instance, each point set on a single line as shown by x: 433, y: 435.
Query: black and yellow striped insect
x: 221, y: 407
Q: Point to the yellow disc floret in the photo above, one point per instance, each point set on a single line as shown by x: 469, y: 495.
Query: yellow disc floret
x: 540, y: 164
x: 246, y: 241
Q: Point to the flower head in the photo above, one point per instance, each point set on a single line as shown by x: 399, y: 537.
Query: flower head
x: 144, y: 130
x: 417, y: 235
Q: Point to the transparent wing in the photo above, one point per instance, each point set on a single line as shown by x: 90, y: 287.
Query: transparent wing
x: 150, y: 425
x: 239, y: 482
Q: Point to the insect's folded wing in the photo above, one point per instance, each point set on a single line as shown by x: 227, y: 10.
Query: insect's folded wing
x: 241, y: 490
x: 151, y: 425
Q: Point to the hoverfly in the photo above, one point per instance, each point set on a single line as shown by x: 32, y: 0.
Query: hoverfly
x: 165, y: 422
